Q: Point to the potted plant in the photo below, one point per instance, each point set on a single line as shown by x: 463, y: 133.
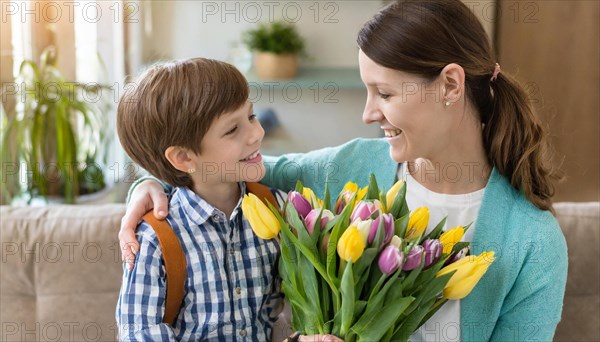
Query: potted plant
x: 53, y: 141
x: 276, y: 49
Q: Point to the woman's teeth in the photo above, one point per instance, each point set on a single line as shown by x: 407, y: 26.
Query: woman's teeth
x: 252, y: 156
x: 390, y: 133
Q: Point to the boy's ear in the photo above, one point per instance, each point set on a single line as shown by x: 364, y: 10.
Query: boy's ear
x: 180, y: 158
x: 453, y: 81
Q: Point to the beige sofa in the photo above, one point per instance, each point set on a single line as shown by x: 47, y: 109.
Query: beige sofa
x: 61, y: 271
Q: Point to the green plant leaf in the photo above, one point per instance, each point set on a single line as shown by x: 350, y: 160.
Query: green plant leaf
x: 327, y: 197
x: 299, y: 187
x: 338, y: 229
x: 399, y: 207
x: 437, y: 231
x: 277, y: 37
x: 348, y: 299
x: 373, y: 189
x: 373, y: 327
x: 400, y: 226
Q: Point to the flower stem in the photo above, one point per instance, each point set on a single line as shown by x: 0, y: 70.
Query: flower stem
x: 377, y: 286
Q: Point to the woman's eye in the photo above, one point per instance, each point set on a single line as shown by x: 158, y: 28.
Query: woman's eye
x: 252, y: 117
x: 231, y: 131
x: 384, y: 96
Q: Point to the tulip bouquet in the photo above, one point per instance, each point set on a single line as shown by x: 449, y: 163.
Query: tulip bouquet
x: 364, y: 268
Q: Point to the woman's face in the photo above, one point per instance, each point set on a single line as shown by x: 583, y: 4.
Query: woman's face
x: 410, y: 110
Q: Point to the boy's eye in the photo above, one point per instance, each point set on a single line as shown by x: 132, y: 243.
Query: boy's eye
x: 252, y: 117
x: 231, y: 131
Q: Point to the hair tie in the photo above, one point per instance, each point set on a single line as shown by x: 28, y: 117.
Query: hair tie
x: 496, y: 72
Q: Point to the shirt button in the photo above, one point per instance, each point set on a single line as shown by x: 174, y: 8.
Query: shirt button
x: 238, y: 290
x: 216, y: 217
x: 231, y: 251
x: 243, y: 333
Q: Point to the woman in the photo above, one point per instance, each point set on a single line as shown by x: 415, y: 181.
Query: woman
x: 463, y: 135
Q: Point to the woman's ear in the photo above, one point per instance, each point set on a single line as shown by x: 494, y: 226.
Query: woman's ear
x: 453, y: 82
x: 180, y: 158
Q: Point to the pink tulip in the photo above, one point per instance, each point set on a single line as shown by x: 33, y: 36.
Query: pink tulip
x: 388, y: 226
x: 413, y: 260
x: 300, y: 203
x: 311, y: 219
x: 363, y: 211
x: 390, y: 259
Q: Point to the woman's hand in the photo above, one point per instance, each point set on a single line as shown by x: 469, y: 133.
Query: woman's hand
x: 147, y: 195
x: 319, y: 338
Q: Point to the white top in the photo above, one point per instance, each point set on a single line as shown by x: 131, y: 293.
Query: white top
x: 461, y: 210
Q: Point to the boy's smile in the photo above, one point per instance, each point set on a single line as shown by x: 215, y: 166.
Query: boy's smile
x: 230, y: 150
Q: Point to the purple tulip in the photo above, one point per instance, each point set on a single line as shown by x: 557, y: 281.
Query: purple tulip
x: 363, y: 211
x: 390, y: 259
x: 311, y: 219
x: 433, y: 250
x: 300, y: 203
x: 388, y: 226
x: 413, y: 260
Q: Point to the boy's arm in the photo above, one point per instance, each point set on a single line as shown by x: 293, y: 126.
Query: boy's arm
x: 141, y: 305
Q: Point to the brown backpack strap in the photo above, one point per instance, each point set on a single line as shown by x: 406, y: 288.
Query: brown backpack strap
x: 262, y: 192
x: 175, y: 265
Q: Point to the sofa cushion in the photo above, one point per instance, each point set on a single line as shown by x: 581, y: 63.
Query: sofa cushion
x: 61, y: 272
x: 580, y: 222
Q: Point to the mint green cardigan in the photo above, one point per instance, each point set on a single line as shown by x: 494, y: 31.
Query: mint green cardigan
x: 520, y: 297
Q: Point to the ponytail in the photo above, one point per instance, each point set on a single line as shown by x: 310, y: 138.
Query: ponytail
x: 517, y: 143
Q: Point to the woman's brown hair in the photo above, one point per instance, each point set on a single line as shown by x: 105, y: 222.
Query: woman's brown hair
x: 174, y: 104
x: 422, y: 37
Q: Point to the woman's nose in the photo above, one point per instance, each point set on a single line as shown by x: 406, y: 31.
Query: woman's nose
x: 371, y: 113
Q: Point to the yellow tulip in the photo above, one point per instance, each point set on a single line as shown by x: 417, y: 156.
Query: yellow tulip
x: 263, y: 222
x: 469, y: 271
x: 312, y: 198
x: 417, y: 223
x: 351, y: 245
x: 391, y: 194
x: 450, y: 238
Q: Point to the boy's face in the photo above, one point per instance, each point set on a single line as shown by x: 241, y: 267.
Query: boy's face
x: 230, y: 150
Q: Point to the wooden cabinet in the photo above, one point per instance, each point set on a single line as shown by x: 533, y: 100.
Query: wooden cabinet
x: 553, y: 48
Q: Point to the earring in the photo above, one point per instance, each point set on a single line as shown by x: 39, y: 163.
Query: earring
x: 448, y: 103
x: 190, y: 171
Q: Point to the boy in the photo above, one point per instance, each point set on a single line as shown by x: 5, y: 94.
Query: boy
x: 190, y: 124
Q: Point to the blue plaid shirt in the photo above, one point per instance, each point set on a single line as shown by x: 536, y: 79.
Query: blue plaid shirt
x: 232, y: 290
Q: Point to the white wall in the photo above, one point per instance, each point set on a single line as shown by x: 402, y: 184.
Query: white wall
x: 183, y: 29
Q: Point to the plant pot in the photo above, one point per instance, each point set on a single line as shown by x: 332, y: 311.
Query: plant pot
x: 270, y: 66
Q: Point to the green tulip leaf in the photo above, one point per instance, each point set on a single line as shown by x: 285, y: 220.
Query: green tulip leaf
x: 373, y: 189
x: 400, y: 225
x: 373, y: 327
x: 399, y: 203
x: 348, y: 299
x: 437, y: 231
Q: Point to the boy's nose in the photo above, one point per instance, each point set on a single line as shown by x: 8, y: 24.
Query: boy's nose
x: 257, y: 135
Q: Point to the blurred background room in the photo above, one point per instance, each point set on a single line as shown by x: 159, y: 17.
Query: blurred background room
x: 59, y: 141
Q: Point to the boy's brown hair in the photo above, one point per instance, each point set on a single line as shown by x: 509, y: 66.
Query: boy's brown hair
x: 174, y: 104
